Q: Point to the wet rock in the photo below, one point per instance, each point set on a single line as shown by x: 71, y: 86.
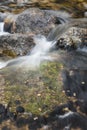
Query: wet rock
x: 5, y: 128
x: 18, y: 43
x: 74, y: 60
x: 21, y: 121
x: 72, y: 39
x: 62, y: 109
x: 3, y: 1
x: 82, y: 105
x: 2, y: 109
x: 77, y: 79
x: 2, y: 16
x: 20, y: 109
x: 22, y: 1
x: 75, y: 119
x: 8, y: 19
x: 12, y: 116
x: 36, y: 21
x: 17, y: 102
x: 7, y: 27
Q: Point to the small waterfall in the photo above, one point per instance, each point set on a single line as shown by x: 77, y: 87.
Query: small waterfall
x: 2, y: 29
x: 40, y: 52
x: 37, y: 55
x: 58, y: 31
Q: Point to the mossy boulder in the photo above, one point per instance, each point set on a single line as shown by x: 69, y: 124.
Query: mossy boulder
x: 39, y: 91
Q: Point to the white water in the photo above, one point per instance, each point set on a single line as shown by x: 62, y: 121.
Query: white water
x: 2, y: 29
x: 37, y: 55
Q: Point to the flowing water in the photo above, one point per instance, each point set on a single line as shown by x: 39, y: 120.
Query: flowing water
x: 36, y: 80
x: 40, y: 51
x: 2, y: 32
x: 2, y: 27
x: 36, y: 56
x: 43, y: 45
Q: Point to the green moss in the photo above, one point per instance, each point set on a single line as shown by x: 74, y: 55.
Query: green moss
x: 9, y: 53
x: 42, y: 92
